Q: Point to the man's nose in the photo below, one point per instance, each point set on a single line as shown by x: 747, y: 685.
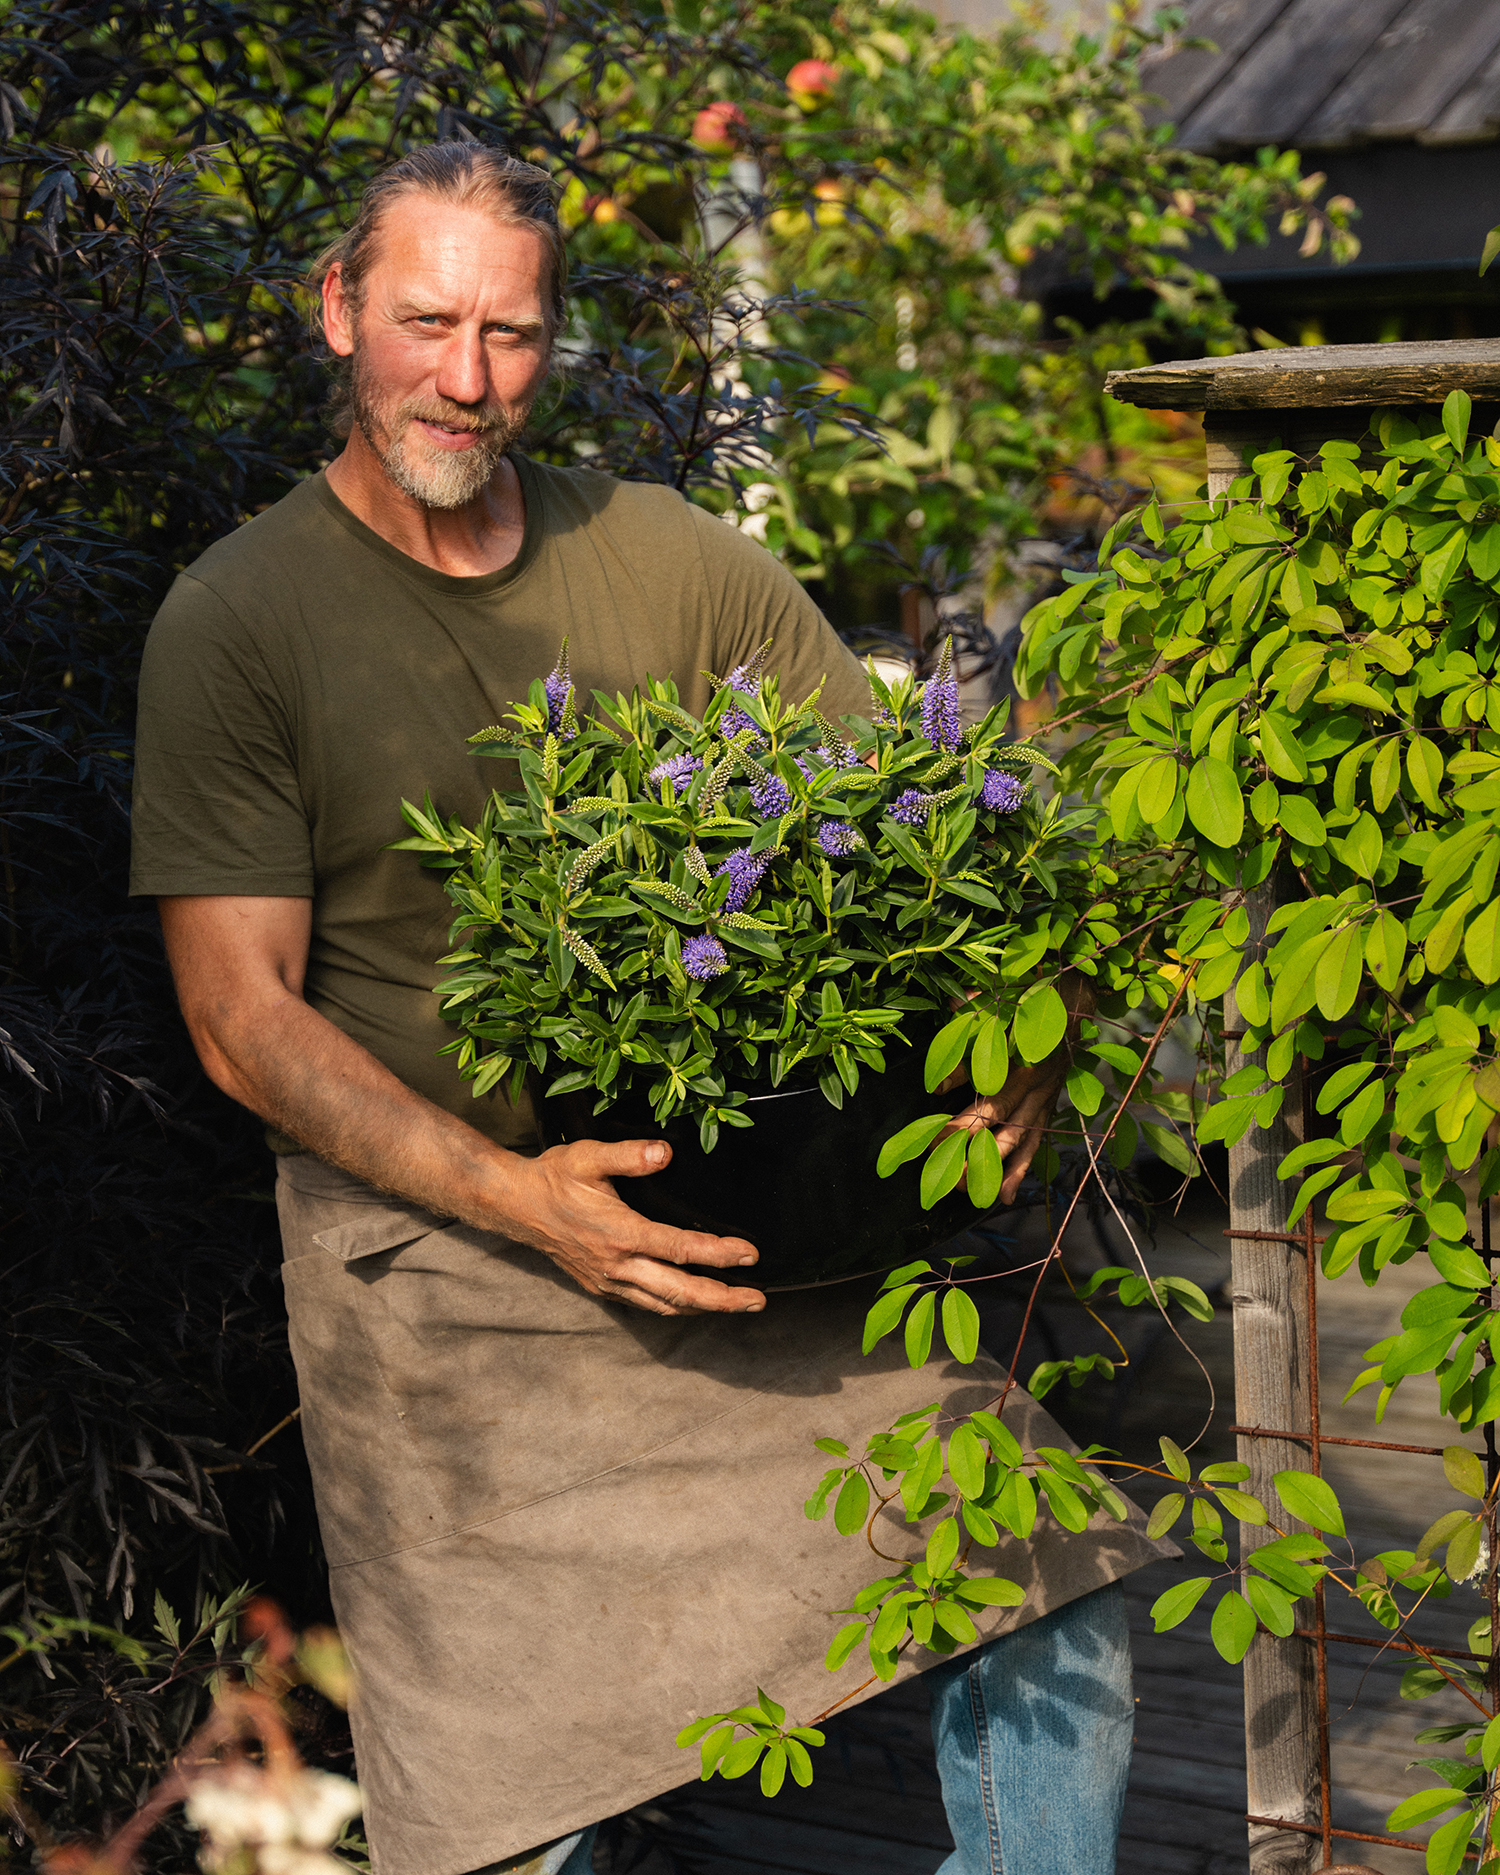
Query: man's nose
x: 463, y: 371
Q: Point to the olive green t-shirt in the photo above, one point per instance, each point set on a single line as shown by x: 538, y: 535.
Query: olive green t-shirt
x: 304, y: 675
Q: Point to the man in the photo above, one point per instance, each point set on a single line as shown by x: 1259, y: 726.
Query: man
x: 559, y: 1492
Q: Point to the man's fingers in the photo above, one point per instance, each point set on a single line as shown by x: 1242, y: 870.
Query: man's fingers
x: 1017, y: 1152
x: 669, y: 1291
x: 669, y: 1245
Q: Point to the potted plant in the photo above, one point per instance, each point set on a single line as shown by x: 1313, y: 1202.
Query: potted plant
x: 766, y: 919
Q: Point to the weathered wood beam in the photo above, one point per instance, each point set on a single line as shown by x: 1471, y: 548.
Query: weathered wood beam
x: 1316, y: 377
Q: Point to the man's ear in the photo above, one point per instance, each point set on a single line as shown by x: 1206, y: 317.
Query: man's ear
x: 338, y: 323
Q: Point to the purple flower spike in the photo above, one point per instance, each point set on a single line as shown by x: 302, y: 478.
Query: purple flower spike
x: 1001, y: 793
x: 771, y: 797
x: 838, y: 839
x: 745, y: 871
x: 746, y: 678
x: 678, y: 769
x: 704, y: 958
x: 558, y: 686
x: 839, y: 756
x: 910, y: 808
x: 941, y: 723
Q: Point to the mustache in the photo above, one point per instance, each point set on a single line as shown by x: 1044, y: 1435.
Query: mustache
x: 452, y: 416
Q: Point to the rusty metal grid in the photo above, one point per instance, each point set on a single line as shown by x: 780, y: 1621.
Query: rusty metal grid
x: 1322, y: 1636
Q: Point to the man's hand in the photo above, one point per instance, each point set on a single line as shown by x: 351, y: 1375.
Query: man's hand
x: 567, y: 1206
x: 1019, y: 1113
x: 239, y: 965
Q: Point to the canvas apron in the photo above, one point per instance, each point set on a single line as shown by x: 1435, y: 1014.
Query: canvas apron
x: 559, y: 1528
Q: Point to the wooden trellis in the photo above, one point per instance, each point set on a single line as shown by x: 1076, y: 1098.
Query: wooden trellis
x: 1295, y: 399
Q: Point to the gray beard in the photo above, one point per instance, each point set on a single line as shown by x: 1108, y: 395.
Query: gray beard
x: 435, y: 479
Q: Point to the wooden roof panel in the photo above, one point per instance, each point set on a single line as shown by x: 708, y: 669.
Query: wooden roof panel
x: 1404, y: 82
x: 1184, y: 79
x: 1472, y: 115
x: 1330, y: 73
x: 1287, y: 74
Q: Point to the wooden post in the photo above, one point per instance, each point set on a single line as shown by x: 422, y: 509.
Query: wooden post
x: 1271, y: 1388
x: 1298, y: 398
x: 1269, y: 1291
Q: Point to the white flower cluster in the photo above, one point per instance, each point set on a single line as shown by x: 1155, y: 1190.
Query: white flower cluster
x: 252, y: 1819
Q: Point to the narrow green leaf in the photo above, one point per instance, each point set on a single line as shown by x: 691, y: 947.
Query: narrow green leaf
x: 885, y: 1312
x: 1458, y: 406
x: 990, y: 1061
x: 853, y: 1505
x: 947, y: 1048
x: 1464, y: 1470
x: 942, y: 1547
x: 1272, y: 1603
x: 1233, y: 1626
x: 944, y: 1168
x: 1166, y: 1513
x: 1041, y: 1021
x: 919, y: 1329
x: 1482, y: 943
x: 1173, y: 1608
x: 960, y: 1325
x: 986, y: 1168
x: 1215, y: 801
x: 910, y: 1143
x: 1312, y: 1499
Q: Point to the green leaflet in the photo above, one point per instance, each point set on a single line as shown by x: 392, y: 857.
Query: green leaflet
x: 1233, y: 1626
x: 1171, y: 1609
x: 990, y: 1062
x: 1041, y: 1021
x: 948, y: 1047
x: 1385, y: 949
x: 985, y: 1168
x: 1312, y: 1499
x: 1481, y: 943
x: 1339, y: 969
x: 1302, y: 820
x: 1215, y: 802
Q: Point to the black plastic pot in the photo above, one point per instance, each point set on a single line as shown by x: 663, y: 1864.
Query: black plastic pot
x: 800, y: 1184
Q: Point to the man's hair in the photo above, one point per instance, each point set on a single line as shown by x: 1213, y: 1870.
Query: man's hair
x: 473, y: 174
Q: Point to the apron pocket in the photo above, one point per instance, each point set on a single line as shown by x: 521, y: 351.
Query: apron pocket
x: 389, y: 1229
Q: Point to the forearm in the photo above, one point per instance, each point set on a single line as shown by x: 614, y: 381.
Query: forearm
x: 313, y: 1082
x: 239, y: 964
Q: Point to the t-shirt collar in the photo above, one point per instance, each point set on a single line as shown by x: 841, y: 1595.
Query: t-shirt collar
x: 473, y: 586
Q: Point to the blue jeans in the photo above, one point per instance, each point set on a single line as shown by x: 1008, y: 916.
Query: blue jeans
x: 1033, y: 1735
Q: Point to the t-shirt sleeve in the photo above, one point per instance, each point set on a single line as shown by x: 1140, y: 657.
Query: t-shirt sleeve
x: 217, y: 808
x: 756, y: 598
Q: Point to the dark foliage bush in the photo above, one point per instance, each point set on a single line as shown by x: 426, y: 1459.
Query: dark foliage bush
x: 167, y: 173
x: 160, y: 386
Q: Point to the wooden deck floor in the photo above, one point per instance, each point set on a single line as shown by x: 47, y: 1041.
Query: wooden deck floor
x: 874, y: 1806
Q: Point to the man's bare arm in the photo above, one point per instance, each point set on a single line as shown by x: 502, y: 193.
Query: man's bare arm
x: 239, y: 966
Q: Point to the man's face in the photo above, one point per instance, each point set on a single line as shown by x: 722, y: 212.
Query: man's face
x: 450, y: 346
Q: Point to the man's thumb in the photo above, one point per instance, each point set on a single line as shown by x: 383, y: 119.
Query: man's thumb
x: 633, y: 1158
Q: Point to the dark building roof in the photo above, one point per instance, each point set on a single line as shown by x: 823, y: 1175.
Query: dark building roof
x: 1330, y: 74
